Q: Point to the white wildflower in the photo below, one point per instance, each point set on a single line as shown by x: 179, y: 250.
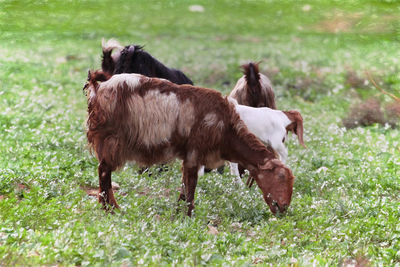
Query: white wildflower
x: 196, y: 8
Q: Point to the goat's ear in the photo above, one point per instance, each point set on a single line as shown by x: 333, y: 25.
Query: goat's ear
x: 270, y: 165
x: 296, y: 126
x: 101, y: 76
x: 89, y: 74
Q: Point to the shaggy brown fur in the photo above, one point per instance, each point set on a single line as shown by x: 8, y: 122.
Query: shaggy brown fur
x: 254, y: 89
x: 148, y: 120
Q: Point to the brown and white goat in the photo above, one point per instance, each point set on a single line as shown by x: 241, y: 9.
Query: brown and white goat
x: 253, y: 89
x: 148, y: 120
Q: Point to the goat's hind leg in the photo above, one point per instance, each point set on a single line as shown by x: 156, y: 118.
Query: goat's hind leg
x: 189, y: 178
x: 235, y: 171
x: 106, y: 195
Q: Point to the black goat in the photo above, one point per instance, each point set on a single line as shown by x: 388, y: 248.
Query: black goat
x: 133, y: 59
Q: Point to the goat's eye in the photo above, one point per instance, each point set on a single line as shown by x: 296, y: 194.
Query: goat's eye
x: 283, y: 140
x: 282, y: 174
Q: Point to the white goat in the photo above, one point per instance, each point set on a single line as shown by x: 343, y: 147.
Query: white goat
x: 271, y: 127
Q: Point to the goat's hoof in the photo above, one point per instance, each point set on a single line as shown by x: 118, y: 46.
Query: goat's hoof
x: 108, y: 206
x: 181, y: 197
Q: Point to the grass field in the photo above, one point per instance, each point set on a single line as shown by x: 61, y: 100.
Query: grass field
x: 346, y: 203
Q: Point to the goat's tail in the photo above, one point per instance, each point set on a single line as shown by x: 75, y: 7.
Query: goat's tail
x: 108, y: 61
x: 252, y: 74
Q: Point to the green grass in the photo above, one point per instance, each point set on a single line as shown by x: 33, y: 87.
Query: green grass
x: 346, y: 200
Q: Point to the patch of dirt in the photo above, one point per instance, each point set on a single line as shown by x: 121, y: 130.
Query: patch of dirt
x: 212, y: 230
x: 259, y: 260
x: 236, y: 227
x: 144, y: 192
x: 393, y: 113
x: 346, y: 22
x: 22, y: 187
x: 338, y: 21
x: 354, y: 80
x: 94, y: 191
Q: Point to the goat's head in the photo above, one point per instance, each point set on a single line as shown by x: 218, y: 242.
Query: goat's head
x: 276, y: 183
x: 93, y: 79
x: 296, y: 125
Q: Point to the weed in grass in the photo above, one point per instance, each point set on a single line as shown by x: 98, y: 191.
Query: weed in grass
x: 364, y: 114
x: 393, y: 113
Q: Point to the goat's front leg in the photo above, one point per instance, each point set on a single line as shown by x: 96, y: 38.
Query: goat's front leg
x: 201, y: 171
x: 189, y: 178
x: 235, y: 171
x: 106, y: 195
x: 250, y: 181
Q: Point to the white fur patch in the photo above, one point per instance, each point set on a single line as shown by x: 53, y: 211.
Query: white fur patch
x: 186, y: 118
x: 153, y: 117
x: 210, y: 119
x: 132, y: 80
x: 108, y: 90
